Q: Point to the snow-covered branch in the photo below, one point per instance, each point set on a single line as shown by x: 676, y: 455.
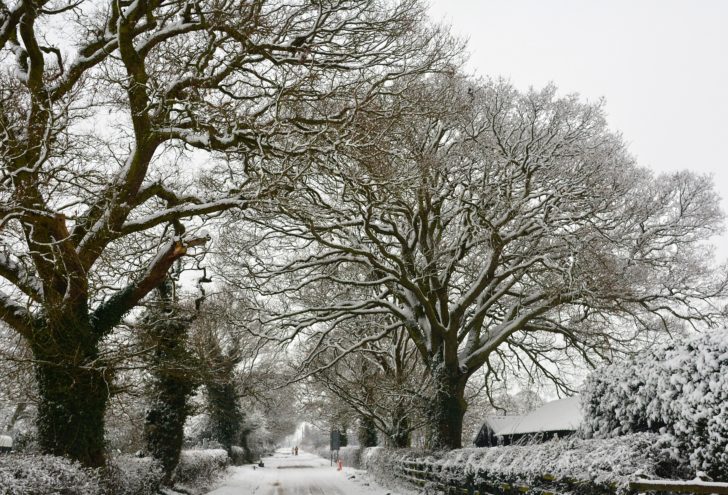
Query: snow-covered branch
x: 15, y: 315
x: 491, y: 215
x: 109, y: 313
x: 19, y: 276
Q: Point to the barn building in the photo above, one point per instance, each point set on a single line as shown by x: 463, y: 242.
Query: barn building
x: 558, y: 418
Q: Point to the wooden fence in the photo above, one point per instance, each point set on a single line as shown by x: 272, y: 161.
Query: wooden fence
x: 437, y: 476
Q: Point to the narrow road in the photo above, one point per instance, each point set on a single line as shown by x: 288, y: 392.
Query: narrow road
x: 304, y: 474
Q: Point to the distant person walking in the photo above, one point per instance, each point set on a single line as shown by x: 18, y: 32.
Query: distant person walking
x: 295, y: 450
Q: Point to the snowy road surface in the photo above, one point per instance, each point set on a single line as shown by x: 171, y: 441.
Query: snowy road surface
x: 304, y: 474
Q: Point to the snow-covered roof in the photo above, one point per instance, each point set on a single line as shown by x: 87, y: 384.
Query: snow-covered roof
x: 558, y: 415
x: 6, y: 441
x: 502, y: 423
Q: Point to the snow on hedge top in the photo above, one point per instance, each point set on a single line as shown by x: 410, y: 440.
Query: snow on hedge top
x: 680, y: 388
x: 605, y: 461
x: 558, y: 415
x: 612, y: 463
x: 46, y: 475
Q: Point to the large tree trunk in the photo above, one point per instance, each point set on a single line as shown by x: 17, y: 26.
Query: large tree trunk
x: 173, y: 383
x: 226, y: 418
x: 73, y: 386
x: 367, y: 432
x: 447, y: 409
x: 171, y: 389
x: 400, y: 435
x: 164, y: 425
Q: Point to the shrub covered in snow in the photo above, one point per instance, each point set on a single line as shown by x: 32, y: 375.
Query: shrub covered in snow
x: 129, y: 475
x: 200, y: 466
x: 350, y: 455
x: 385, y: 464
x: 125, y: 475
x: 46, y: 475
x: 239, y: 455
x: 576, y: 465
x: 678, y: 389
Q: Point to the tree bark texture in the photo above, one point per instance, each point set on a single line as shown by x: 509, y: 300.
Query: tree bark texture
x: 226, y: 418
x: 399, y: 437
x: 173, y: 383
x: 74, y: 388
x: 447, y: 409
x: 367, y: 433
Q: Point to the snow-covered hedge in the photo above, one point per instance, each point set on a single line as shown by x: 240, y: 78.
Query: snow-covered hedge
x: 126, y: 475
x: 350, y: 455
x: 240, y: 455
x: 198, y: 467
x: 679, y: 389
x: 46, y: 475
x: 130, y: 475
x: 578, y: 465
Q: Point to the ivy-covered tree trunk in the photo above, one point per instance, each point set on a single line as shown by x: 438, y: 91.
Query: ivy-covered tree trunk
x: 400, y: 439
x: 447, y: 409
x: 165, y: 420
x: 367, y: 433
x: 171, y: 366
x: 400, y: 436
x: 226, y: 417
x: 73, y: 388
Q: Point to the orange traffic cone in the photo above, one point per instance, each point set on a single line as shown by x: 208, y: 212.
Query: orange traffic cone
x: 340, y: 465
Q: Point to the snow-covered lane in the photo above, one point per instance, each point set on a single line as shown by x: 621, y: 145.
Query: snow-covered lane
x: 304, y: 474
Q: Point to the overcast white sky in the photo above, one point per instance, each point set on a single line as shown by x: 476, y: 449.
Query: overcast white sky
x: 662, y: 66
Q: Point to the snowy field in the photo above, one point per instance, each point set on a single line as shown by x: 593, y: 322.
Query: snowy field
x: 305, y: 474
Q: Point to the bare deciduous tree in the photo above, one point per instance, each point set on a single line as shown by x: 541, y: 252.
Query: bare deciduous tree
x: 383, y: 381
x: 106, y: 105
x: 492, y: 223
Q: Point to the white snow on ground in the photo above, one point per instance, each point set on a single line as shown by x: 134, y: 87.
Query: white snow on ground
x: 304, y: 474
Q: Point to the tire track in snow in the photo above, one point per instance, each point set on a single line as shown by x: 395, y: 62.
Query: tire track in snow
x: 286, y: 474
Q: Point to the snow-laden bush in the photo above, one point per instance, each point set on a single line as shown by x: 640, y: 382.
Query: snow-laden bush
x: 129, y: 475
x: 199, y: 467
x: 240, y: 455
x: 125, y: 475
x: 46, y: 475
x: 385, y: 464
x: 679, y: 389
x: 349, y: 455
x: 574, y: 464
